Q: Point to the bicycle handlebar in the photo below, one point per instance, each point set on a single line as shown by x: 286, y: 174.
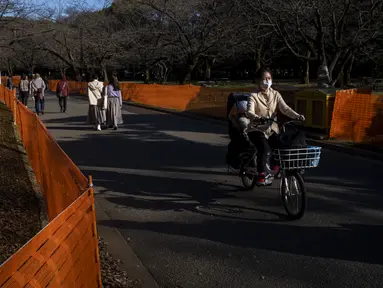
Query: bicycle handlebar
x: 265, y: 120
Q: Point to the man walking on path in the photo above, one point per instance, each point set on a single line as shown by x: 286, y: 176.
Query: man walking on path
x: 9, y: 82
x: 38, y: 87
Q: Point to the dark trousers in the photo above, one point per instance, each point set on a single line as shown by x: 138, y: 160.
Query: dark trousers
x: 39, y: 105
x: 264, y: 148
x: 62, y: 103
x: 24, y: 97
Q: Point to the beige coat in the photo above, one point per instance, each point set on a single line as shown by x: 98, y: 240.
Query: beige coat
x: 95, y: 92
x: 267, y: 104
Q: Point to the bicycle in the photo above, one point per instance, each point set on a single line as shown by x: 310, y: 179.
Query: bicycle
x: 292, y: 163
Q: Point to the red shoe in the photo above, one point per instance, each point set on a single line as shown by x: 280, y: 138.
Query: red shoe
x: 264, y: 180
x: 261, y: 179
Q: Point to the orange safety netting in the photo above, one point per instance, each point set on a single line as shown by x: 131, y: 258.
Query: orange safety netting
x: 15, y: 80
x: 60, y: 179
x: 167, y: 96
x: 357, y: 116
x: 65, y: 253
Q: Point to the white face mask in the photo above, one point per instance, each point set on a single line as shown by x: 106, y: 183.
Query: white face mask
x: 266, y: 84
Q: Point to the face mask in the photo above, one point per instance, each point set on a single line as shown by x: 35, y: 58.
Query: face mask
x: 266, y: 84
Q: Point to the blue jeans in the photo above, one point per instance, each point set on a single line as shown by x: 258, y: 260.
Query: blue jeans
x: 39, y: 105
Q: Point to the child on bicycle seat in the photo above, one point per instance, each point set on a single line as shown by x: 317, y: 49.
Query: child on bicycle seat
x: 237, y: 113
x: 265, y: 103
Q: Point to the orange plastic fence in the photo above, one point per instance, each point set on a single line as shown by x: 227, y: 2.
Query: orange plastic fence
x: 63, y: 254
x: 202, y: 100
x: 60, y: 179
x: 357, y: 116
x: 167, y: 96
x: 15, y: 80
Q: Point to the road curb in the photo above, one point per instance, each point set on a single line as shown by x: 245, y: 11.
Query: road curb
x: 312, y: 139
x: 116, y: 244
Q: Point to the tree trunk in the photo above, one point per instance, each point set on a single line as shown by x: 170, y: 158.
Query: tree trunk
x: 346, y: 59
x: 257, y: 64
x: 347, y: 78
x: 323, y: 72
x: 209, y: 65
x: 105, y: 73
x: 147, y: 76
x: 191, y: 63
x: 306, y: 77
x: 341, y: 79
x: 323, y: 75
x: 208, y: 72
x: 306, y: 71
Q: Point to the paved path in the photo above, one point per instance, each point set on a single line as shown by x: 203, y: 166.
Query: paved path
x: 162, y: 180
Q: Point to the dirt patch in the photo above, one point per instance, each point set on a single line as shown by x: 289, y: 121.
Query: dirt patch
x: 19, y: 208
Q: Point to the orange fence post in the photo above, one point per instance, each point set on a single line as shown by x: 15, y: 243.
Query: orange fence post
x: 97, y: 256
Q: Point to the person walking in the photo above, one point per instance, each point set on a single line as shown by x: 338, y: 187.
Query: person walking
x: 9, y: 82
x: 62, y: 92
x: 24, y: 90
x: 113, y: 112
x: 95, y: 89
x: 46, y: 82
x: 38, y: 88
x: 30, y: 79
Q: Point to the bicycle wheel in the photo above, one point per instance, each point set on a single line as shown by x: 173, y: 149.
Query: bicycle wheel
x: 248, y: 180
x: 293, y: 194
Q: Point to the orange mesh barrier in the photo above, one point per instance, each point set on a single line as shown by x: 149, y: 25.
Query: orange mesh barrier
x: 60, y: 180
x: 167, y: 96
x: 63, y: 254
x: 15, y: 80
x: 357, y: 116
x: 201, y: 100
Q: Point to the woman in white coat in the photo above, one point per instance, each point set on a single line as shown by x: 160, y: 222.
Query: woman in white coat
x: 96, y: 102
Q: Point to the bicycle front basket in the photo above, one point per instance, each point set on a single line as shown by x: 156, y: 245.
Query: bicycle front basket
x: 298, y: 158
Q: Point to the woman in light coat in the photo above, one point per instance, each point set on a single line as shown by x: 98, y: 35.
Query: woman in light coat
x: 265, y: 103
x: 24, y: 90
x: 113, y: 112
x: 96, y: 102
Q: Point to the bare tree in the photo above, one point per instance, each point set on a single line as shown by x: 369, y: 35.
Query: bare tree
x: 193, y: 28
x: 327, y: 31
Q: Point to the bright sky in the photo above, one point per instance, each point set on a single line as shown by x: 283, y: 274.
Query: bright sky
x: 94, y: 4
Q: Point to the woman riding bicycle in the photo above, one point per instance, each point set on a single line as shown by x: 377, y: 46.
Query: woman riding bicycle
x: 265, y: 103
